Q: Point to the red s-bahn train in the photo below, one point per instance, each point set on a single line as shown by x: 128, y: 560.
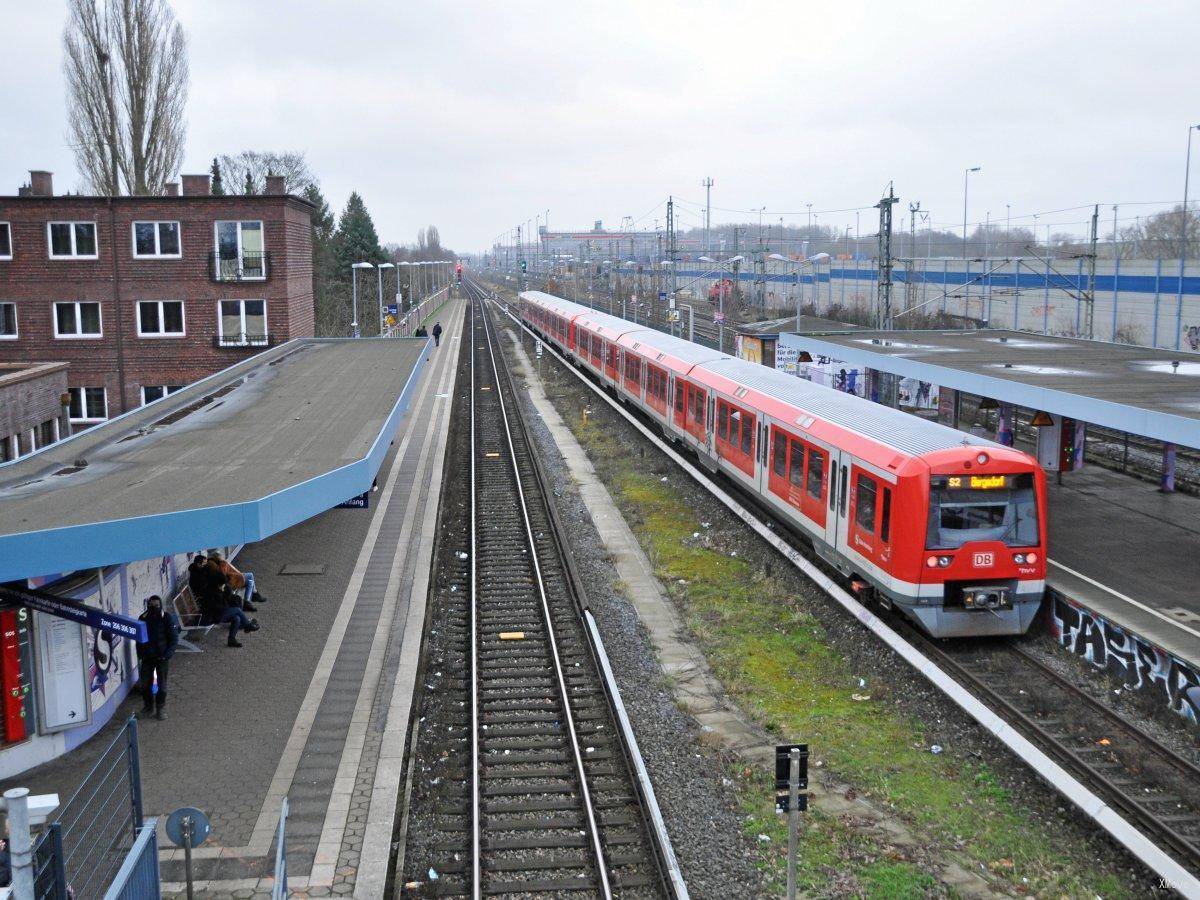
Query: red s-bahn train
x: 946, y: 526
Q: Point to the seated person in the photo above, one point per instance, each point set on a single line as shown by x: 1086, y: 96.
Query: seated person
x: 237, y: 581
x: 235, y: 616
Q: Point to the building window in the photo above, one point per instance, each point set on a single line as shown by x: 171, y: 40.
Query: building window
x: 150, y: 393
x: 88, y: 404
x: 8, y: 321
x: 156, y: 239
x: 72, y: 240
x: 160, y: 318
x: 79, y: 319
x: 242, y: 323
x: 5, y: 241
x: 8, y: 448
x: 240, y: 252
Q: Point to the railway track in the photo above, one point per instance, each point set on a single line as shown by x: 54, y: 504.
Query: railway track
x: 1147, y: 783
x: 1135, y: 773
x: 541, y: 800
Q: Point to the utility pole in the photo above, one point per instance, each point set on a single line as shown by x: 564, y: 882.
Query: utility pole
x: 884, y: 307
x: 910, y: 284
x: 672, y: 249
x: 1090, y: 299
x: 707, y: 183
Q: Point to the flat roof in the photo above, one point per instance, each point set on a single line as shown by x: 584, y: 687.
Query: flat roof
x: 230, y: 459
x: 1149, y: 392
x: 773, y: 327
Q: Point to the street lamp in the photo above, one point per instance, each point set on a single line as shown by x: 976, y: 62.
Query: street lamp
x: 381, y: 267
x: 1183, y: 234
x: 813, y: 260
x: 354, y: 267
x: 966, y: 175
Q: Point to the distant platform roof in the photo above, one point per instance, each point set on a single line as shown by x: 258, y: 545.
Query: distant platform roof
x: 1153, y: 393
x: 233, y: 458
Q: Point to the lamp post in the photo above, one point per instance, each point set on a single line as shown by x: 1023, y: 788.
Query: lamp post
x: 399, y: 292
x: 354, y: 294
x: 966, y: 176
x: 811, y: 261
x: 381, y: 267
x: 733, y: 264
x: 1183, y: 234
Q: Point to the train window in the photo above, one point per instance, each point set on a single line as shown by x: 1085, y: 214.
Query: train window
x: 679, y: 397
x: 747, y: 433
x: 864, y: 503
x: 780, y: 462
x: 722, y: 420
x: 698, y: 414
x: 735, y: 419
x: 816, y: 472
x: 885, y: 517
x: 796, y: 473
x: 842, y: 492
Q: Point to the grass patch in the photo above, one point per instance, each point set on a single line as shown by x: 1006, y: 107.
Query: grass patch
x: 777, y: 662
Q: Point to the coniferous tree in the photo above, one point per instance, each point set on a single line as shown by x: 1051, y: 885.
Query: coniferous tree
x: 357, y: 241
x: 218, y: 189
x: 331, y: 303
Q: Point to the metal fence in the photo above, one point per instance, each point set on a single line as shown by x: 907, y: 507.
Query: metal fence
x: 137, y: 878
x: 96, y: 829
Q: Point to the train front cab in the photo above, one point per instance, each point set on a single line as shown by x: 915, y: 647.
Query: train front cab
x: 982, y: 567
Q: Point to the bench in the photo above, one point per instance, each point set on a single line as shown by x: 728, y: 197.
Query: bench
x: 191, y: 618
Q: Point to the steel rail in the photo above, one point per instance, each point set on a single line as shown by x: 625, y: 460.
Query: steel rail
x: 560, y: 677
x: 476, y: 844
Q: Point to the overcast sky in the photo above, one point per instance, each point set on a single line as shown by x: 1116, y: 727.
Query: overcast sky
x: 477, y: 116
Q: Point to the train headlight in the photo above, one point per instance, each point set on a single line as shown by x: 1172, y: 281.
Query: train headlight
x: 1031, y: 558
x: 944, y: 561
x: 981, y: 458
x: 1022, y: 559
x: 932, y: 562
x: 1019, y: 559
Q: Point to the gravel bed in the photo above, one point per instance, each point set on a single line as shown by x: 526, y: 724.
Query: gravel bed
x: 699, y: 804
x: 688, y: 791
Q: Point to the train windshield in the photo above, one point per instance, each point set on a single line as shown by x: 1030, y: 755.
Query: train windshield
x: 965, y: 508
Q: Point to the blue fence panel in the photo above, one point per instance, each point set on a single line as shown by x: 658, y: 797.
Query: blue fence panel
x: 137, y: 879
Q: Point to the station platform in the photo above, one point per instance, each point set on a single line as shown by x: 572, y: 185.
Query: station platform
x: 315, y: 706
x: 1129, y: 552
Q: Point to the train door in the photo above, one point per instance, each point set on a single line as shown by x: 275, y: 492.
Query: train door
x: 839, y: 498
x: 611, y: 363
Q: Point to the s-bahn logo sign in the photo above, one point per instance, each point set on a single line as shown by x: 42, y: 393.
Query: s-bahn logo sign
x: 983, y: 560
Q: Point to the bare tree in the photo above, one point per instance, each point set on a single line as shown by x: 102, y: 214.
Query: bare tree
x: 250, y: 168
x: 127, y: 81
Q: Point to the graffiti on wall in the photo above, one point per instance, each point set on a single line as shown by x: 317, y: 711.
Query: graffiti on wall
x: 1192, y: 335
x: 1142, y: 666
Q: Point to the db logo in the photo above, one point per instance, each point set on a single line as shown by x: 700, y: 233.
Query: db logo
x: 981, y: 560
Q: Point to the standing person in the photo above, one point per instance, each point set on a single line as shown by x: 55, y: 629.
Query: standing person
x: 154, y: 656
x: 237, y: 581
x: 437, y: 334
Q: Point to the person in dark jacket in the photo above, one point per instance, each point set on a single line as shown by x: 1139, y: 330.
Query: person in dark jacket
x: 154, y: 656
x: 421, y: 332
x: 437, y: 334
x: 227, y: 605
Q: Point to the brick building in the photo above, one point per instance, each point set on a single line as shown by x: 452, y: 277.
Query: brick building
x: 32, y: 414
x: 140, y: 295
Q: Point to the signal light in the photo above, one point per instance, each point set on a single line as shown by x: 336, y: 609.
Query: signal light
x: 1025, y: 558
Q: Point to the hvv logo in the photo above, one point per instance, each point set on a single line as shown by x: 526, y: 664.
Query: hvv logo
x: 983, y: 560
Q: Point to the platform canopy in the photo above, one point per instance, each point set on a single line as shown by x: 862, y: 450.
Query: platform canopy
x: 231, y: 459
x: 1147, y: 392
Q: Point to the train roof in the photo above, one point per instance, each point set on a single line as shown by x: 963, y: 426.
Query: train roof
x: 890, y: 427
